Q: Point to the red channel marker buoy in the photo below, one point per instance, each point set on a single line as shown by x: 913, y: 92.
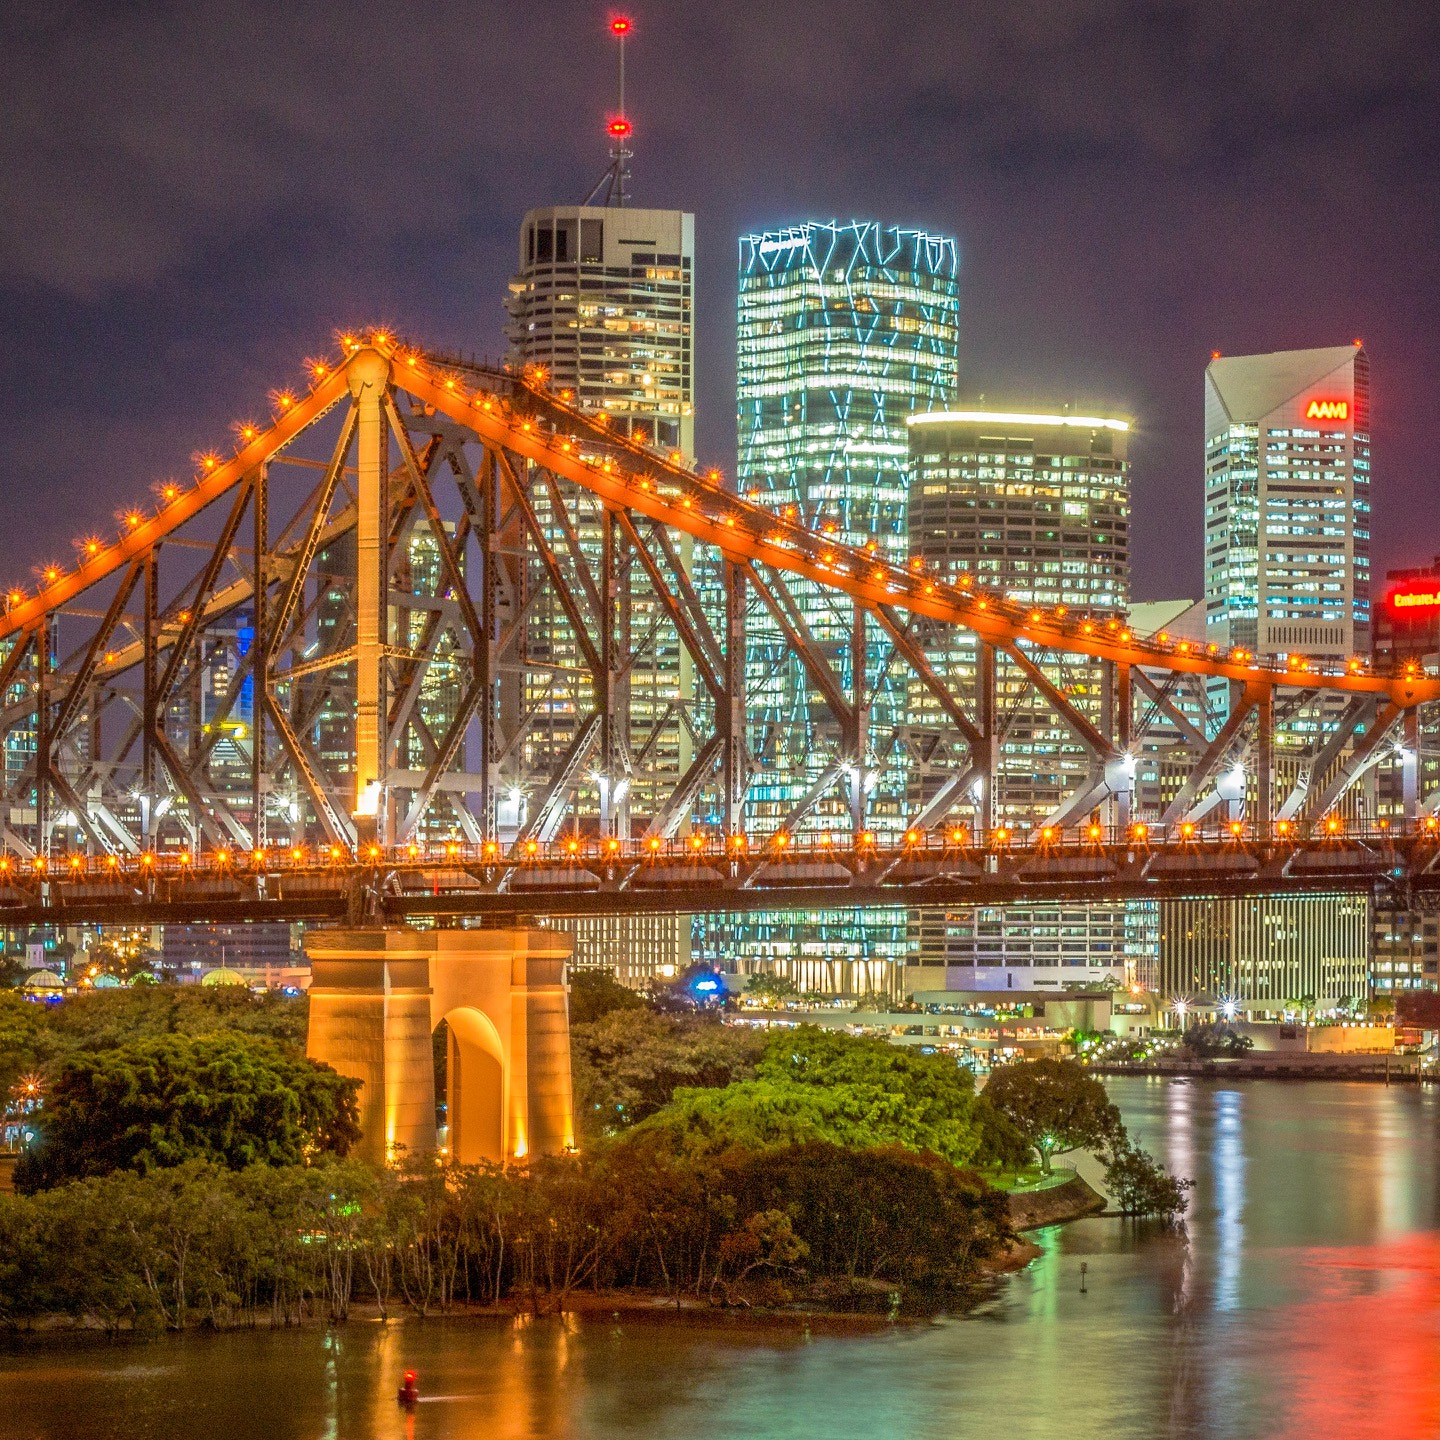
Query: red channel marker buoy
x: 409, y: 1390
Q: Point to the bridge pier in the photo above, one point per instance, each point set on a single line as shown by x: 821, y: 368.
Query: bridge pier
x: 376, y: 997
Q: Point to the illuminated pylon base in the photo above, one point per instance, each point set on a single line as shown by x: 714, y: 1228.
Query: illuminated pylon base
x: 375, y: 1001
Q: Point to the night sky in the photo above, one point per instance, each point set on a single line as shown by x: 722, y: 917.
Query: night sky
x: 198, y: 196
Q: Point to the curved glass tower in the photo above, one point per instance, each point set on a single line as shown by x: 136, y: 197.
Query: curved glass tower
x: 843, y: 330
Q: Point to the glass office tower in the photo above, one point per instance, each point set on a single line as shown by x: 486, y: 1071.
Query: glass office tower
x: 843, y: 330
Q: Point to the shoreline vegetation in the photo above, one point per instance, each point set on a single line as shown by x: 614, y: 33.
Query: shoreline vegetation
x: 188, y: 1169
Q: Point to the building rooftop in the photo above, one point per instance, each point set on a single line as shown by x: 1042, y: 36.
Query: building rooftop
x: 1251, y: 386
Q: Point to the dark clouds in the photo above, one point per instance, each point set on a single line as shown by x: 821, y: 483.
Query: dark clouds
x: 195, y: 196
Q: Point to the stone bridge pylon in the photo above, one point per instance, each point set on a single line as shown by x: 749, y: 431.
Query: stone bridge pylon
x: 376, y: 998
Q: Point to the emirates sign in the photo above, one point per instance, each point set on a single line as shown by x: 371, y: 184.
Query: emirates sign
x: 1414, y: 599
x: 1328, y: 410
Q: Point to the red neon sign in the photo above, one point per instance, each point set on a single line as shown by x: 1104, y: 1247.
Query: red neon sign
x: 1328, y: 410
x: 1413, y: 598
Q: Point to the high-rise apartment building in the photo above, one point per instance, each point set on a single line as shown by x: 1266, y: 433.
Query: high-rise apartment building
x: 843, y: 330
x: 602, y: 305
x: 1287, y: 501
x: 1037, y: 505
x: 603, y: 302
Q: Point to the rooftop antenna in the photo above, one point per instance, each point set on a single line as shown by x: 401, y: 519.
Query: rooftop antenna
x: 619, y: 129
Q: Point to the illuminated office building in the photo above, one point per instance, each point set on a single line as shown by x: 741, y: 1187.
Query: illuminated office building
x: 1287, y: 502
x: 1037, y: 505
x: 843, y: 330
x: 1405, y: 944
x: 602, y: 306
x: 1263, y: 951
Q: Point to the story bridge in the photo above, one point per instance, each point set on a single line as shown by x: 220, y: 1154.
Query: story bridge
x: 434, y: 640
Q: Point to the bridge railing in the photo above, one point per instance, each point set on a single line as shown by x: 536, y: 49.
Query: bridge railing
x: 779, y: 847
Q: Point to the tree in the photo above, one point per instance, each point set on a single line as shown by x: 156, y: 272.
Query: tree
x: 882, y: 1212
x: 697, y: 987
x: 108, y: 958
x: 594, y: 993
x: 766, y: 1240
x: 231, y: 1099
x: 104, y: 1019
x: 22, y: 1037
x: 924, y: 1102
x: 1055, y: 1105
x: 763, y: 1114
x: 822, y: 1085
x: 628, y: 1063
x: 770, y: 991
x: 1208, y: 1041
x: 1140, y: 1185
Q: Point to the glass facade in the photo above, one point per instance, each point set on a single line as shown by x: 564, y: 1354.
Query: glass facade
x: 843, y: 330
x: 1264, y: 951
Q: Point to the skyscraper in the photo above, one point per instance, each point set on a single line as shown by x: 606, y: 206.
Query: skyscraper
x: 1287, y: 501
x: 1037, y: 505
x: 602, y: 307
x: 843, y: 330
x: 603, y: 302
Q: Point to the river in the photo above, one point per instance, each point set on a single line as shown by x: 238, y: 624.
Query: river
x: 1303, y: 1302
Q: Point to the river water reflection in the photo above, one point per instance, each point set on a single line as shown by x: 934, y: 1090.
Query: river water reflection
x: 1304, y: 1302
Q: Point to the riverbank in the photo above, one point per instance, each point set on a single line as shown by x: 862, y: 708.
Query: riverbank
x: 834, y: 1307
x: 1066, y: 1199
x: 1277, y: 1065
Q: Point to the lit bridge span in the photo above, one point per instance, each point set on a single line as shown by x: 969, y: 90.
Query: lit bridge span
x: 434, y: 640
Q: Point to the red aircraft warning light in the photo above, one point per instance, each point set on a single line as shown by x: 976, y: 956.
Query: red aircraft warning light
x: 619, y: 128
x: 620, y: 24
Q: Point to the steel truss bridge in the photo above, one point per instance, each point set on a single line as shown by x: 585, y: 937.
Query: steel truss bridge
x: 434, y: 640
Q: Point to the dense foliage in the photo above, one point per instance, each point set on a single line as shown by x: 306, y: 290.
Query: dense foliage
x: 629, y: 1062
x: 33, y: 1036
x: 200, y: 1243
x: 190, y: 1168
x: 1206, y: 1042
x: 595, y: 992
x: 813, y: 1084
x: 1140, y: 1185
x: 235, y: 1099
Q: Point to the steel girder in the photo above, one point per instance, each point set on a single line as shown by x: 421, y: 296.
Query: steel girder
x: 521, y: 625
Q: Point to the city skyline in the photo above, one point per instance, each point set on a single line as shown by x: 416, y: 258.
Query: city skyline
x: 150, y: 295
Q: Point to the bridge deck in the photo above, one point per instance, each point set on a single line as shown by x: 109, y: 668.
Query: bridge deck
x: 591, y: 877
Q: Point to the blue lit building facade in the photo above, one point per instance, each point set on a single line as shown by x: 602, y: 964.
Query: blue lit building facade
x: 843, y: 330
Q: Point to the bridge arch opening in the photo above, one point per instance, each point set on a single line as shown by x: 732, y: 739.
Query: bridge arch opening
x: 474, y: 1086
